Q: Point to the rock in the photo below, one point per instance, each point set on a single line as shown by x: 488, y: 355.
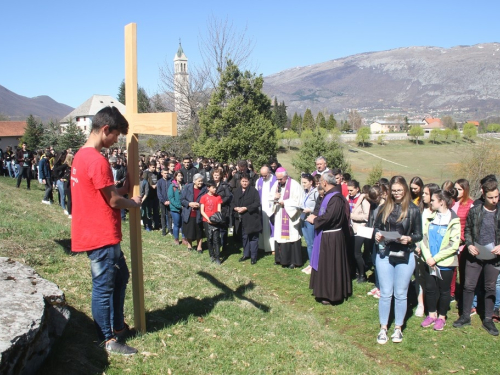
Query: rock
x: 33, y: 315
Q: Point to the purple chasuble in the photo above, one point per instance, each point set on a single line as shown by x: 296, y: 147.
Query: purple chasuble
x: 285, y: 218
x: 319, y: 234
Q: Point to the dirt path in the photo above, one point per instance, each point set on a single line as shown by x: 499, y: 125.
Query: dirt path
x: 369, y: 153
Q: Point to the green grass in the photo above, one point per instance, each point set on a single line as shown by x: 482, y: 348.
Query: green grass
x: 432, y: 162
x: 236, y: 318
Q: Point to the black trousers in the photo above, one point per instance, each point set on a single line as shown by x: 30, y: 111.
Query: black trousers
x: 473, y: 268
x: 48, y: 196
x: 358, y: 255
x: 166, y: 219
x: 213, y: 240
x: 438, y: 290
x: 24, y: 172
x: 250, y: 243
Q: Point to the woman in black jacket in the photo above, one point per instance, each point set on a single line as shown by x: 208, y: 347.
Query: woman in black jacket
x: 248, y: 218
x: 224, y: 192
x: 395, y: 261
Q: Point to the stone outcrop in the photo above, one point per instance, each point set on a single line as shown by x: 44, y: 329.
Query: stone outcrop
x: 33, y: 315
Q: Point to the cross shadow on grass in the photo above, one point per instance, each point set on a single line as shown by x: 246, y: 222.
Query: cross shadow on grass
x: 77, y: 350
x: 191, y: 306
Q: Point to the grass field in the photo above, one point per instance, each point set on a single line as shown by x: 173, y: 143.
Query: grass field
x: 432, y: 162
x: 236, y: 318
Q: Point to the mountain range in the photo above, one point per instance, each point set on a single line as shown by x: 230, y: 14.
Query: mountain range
x: 19, y: 107
x: 464, y: 80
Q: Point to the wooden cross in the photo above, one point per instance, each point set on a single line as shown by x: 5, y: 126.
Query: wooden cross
x: 143, y: 123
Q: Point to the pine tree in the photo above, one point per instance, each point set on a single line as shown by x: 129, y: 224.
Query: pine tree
x: 237, y: 123
x: 276, y: 119
x: 308, y: 121
x: 143, y: 102
x: 296, y: 123
x: 73, y: 137
x: 33, y: 133
x: 320, y: 120
x: 332, y: 123
x: 283, y: 118
x: 51, y: 134
x: 317, y: 145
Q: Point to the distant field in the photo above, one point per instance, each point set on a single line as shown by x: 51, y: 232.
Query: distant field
x: 433, y: 163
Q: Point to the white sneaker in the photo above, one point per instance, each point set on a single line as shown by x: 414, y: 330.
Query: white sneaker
x: 382, y: 337
x: 372, y: 292
x: 47, y: 202
x: 70, y: 217
x: 307, y: 270
x: 397, y: 336
x: 66, y: 212
x: 420, y: 311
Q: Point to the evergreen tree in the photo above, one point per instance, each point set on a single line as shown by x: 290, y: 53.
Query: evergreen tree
x: 332, y: 123
x: 283, y: 118
x: 143, y: 102
x: 308, y: 121
x: 237, y: 123
x: 72, y: 137
x: 320, y: 120
x: 296, y: 123
x: 51, y: 134
x: 276, y: 116
x: 317, y: 145
x: 33, y: 133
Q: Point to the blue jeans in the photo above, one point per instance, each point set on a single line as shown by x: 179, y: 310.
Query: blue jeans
x: 308, y: 233
x: 10, y: 168
x: 62, y: 196
x: 110, y: 276
x: 497, y: 299
x: 17, y: 169
x: 394, y: 280
x: 177, y: 223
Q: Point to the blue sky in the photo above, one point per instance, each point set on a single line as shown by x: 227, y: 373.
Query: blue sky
x: 73, y: 49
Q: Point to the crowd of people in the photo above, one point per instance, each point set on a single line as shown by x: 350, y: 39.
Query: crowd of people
x: 397, y: 230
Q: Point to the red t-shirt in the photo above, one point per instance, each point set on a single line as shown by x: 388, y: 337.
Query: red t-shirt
x: 345, y: 191
x: 210, y: 203
x: 95, y: 224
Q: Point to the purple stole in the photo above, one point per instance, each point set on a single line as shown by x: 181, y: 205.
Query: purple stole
x: 285, y: 218
x: 260, y: 185
x: 319, y: 234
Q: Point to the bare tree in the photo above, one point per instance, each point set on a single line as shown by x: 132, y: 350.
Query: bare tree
x: 355, y: 119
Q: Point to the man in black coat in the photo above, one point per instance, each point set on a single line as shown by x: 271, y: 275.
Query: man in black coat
x: 234, y: 183
x: 188, y: 170
x: 246, y: 208
x: 24, y: 158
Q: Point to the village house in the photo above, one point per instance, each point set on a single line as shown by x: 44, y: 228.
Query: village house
x: 430, y: 123
x: 84, y: 114
x: 11, y: 132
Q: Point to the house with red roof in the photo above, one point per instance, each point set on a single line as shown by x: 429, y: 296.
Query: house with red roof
x: 11, y: 132
x: 430, y: 123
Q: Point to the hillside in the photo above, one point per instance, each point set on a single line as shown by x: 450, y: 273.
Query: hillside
x: 462, y: 79
x: 18, y: 107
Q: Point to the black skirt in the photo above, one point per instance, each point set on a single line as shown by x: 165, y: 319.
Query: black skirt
x: 192, y: 230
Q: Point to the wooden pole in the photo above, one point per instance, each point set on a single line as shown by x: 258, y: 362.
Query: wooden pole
x: 133, y: 170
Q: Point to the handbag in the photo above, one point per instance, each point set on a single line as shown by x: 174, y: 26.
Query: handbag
x: 217, y: 218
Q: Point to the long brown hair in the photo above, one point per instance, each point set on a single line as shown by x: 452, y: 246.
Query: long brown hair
x: 464, y: 184
x: 387, y: 208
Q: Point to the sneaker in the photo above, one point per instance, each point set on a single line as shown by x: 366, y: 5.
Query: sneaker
x: 66, y: 212
x: 397, y: 336
x: 70, y: 217
x: 428, y: 321
x: 371, y: 292
x: 307, y: 270
x: 382, y: 336
x: 377, y: 294
x: 439, y: 324
x: 114, y: 347
x: 473, y: 311
x: 452, y: 299
x: 462, y: 321
x: 46, y: 202
x: 489, y: 326
x: 125, y: 333
x: 420, y: 311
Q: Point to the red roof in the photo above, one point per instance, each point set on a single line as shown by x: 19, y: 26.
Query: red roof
x: 430, y: 120
x: 12, y: 128
x: 473, y: 122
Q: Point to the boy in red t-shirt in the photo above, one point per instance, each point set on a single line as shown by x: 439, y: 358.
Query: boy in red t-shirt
x: 210, y: 204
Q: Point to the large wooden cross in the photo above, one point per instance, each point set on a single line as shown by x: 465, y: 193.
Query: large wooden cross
x: 143, y: 123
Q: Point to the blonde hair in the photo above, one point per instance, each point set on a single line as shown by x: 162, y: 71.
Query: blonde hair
x: 69, y: 159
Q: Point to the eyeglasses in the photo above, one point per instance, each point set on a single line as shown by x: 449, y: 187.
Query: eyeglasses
x: 399, y: 191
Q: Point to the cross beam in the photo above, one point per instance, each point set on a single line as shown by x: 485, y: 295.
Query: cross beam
x: 139, y: 123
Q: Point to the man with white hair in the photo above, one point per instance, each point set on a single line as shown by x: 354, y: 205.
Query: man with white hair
x: 288, y: 198
x: 320, y: 166
x: 263, y: 186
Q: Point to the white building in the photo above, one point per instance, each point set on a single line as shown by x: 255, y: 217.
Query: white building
x: 181, y: 88
x: 84, y: 114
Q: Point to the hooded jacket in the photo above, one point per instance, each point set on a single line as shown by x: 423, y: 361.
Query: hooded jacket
x: 447, y: 254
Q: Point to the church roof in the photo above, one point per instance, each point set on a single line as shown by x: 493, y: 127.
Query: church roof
x: 180, y: 53
x: 93, y: 105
